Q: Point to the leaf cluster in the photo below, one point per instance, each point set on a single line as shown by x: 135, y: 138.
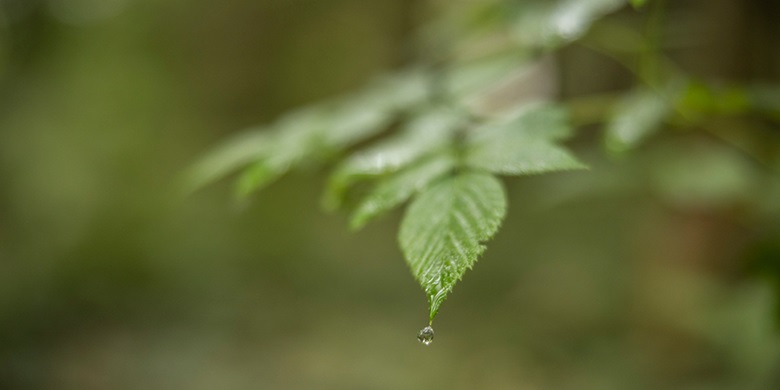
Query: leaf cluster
x: 423, y: 136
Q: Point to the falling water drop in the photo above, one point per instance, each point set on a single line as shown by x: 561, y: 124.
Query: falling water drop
x: 425, y: 335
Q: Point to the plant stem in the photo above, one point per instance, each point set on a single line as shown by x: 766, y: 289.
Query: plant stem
x: 649, y: 68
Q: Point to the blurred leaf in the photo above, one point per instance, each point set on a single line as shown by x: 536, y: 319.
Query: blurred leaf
x: 638, y: 3
x: 230, y: 156
x: 700, y: 101
x: 361, y: 115
x: 551, y: 23
x: 296, y: 139
x: 310, y: 134
x: 428, y: 132
x: 697, y: 100
x: 702, y: 175
x: 358, y: 120
x: 467, y: 18
x: 442, y: 231
x: 765, y: 98
x: 522, y: 145
x: 458, y: 30
x: 259, y: 175
x: 636, y: 117
x: 476, y: 76
x: 396, y: 189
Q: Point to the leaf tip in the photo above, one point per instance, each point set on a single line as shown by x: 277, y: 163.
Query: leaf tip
x: 357, y: 222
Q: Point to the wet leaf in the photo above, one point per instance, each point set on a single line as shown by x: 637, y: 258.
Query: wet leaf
x: 396, y: 189
x: 425, y: 134
x: 443, y: 231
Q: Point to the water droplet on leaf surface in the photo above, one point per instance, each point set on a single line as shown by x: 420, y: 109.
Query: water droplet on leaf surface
x: 425, y: 335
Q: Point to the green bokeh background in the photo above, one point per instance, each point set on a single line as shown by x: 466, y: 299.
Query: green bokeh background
x: 624, y: 277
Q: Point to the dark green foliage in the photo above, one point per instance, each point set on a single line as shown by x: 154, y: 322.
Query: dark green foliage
x: 446, y: 148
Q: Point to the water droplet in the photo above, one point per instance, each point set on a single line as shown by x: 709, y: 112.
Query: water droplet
x: 425, y: 335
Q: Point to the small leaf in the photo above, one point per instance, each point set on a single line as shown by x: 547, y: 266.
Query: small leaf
x: 234, y: 154
x: 310, y: 133
x: 425, y: 134
x: 522, y: 145
x: 396, y: 189
x: 442, y: 232
x: 635, y: 118
x: 295, y: 140
x: 262, y: 173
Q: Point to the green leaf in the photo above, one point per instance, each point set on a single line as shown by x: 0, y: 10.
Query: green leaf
x: 394, y: 190
x: 638, y: 3
x: 442, y: 232
x: 310, y: 133
x: 296, y: 138
x: 425, y: 134
x: 355, y: 121
x: 262, y: 173
x: 367, y: 112
x: 523, y: 145
x: 233, y: 154
x: 636, y: 117
x: 402, y: 90
x: 475, y: 77
x: 554, y: 22
x: 703, y: 175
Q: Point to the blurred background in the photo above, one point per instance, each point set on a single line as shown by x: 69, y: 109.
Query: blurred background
x: 654, y: 270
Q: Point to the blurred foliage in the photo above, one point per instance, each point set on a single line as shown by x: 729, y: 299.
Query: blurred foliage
x: 655, y: 268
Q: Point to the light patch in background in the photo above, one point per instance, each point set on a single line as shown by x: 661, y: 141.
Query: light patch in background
x: 78, y: 12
